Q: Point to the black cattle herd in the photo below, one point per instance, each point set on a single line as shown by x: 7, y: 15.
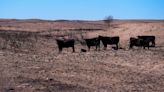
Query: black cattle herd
x: 140, y: 41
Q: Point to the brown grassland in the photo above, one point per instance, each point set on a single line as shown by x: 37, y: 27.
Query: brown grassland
x: 30, y: 62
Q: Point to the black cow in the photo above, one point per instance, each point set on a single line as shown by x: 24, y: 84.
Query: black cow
x: 109, y: 40
x: 139, y: 42
x: 93, y: 42
x: 151, y: 39
x: 65, y: 43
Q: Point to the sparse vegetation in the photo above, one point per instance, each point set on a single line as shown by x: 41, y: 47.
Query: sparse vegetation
x: 18, y: 41
x: 95, y: 71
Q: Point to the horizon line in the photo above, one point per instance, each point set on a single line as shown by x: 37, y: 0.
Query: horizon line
x: 62, y: 19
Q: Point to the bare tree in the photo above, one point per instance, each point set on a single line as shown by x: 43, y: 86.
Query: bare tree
x: 108, y: 20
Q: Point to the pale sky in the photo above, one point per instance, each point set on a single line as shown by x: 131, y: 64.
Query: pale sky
x: 81, y: 9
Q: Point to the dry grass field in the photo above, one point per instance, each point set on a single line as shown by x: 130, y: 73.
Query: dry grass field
x: 30, y: 62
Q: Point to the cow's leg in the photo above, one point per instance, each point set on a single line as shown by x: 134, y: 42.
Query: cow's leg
x: 73, y: 48
x: 99, y: 47
x: 130, y: 46
x: 147, y: 45
x: 96, y: 48
x: 89, y: 48
x: 60, y: 49
x: 105, y: 46
x: 117, y: 46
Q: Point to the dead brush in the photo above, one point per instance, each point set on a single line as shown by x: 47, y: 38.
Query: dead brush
x: 18, y: 41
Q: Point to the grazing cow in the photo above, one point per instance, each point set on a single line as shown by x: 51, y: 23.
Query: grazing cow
x: 109, y: 40
x: 93, y: 42
x: 138, y: 42
x: 149, y: 38
x: 65, y: 43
